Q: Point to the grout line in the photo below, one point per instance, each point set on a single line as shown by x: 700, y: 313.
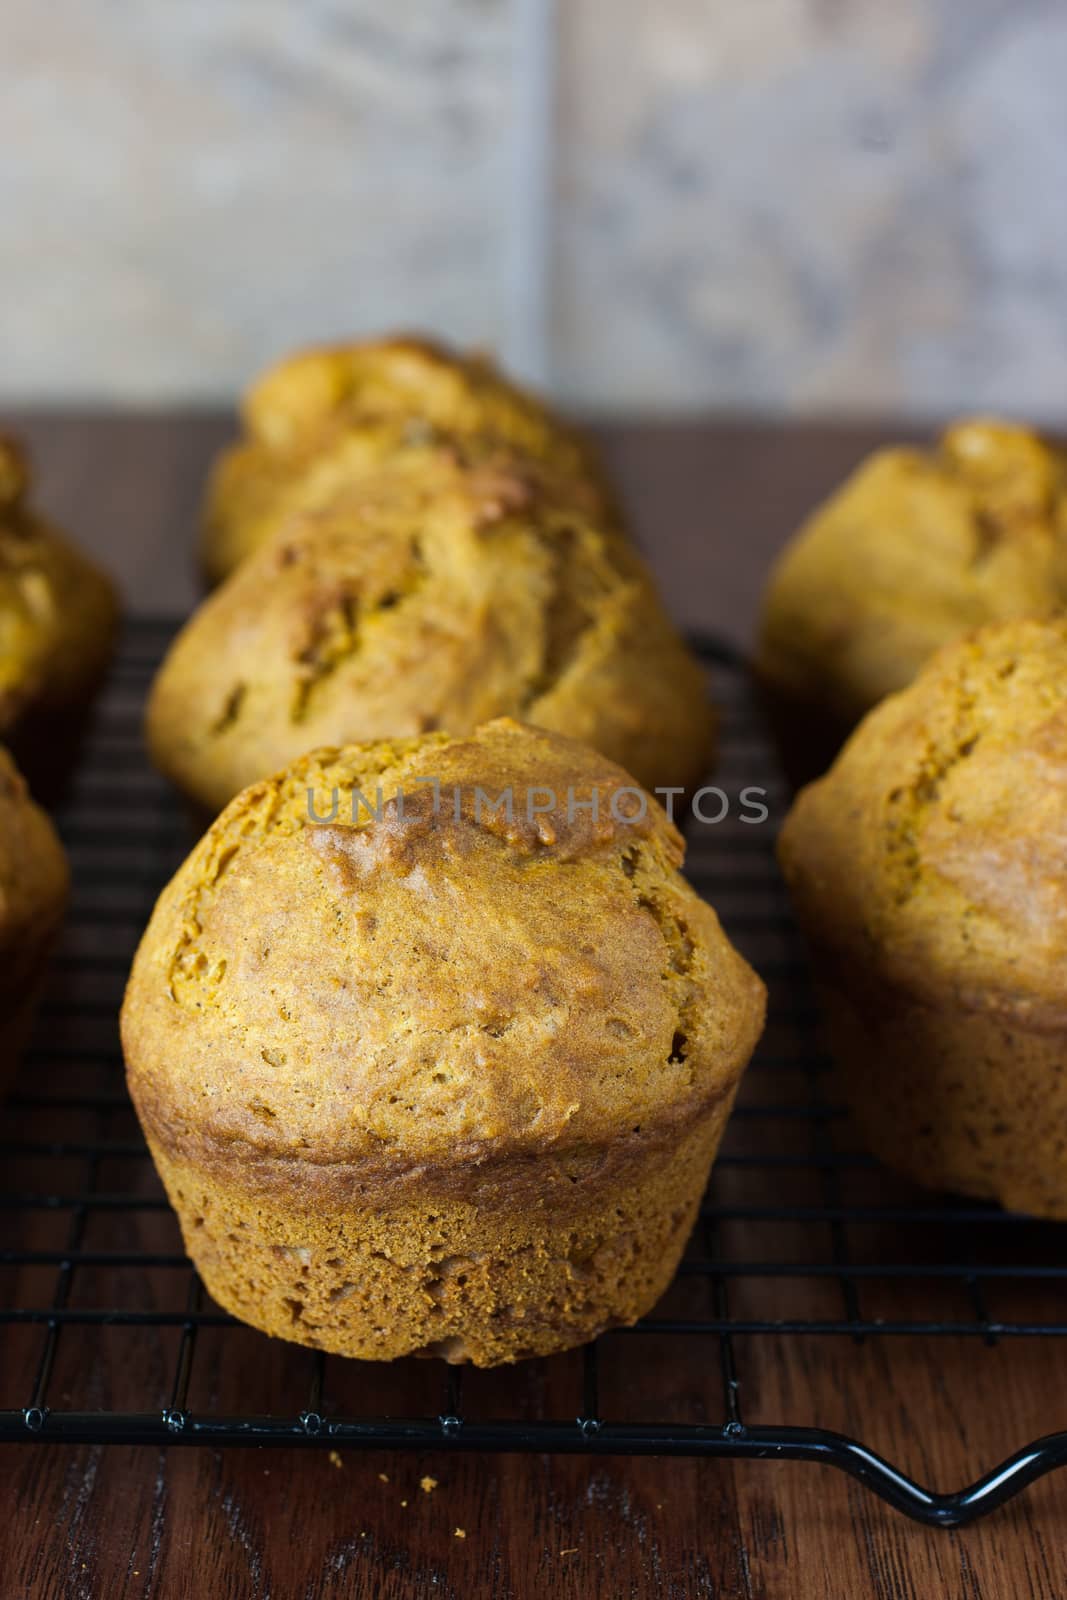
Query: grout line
x: 530, y: 200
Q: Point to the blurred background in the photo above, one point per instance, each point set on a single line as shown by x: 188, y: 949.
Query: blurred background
x: 649, y: 206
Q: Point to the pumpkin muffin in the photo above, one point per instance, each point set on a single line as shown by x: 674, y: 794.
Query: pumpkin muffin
x: 916, y: 548
x: 431, y: 1075
x: 927, y: 871
x: 434, y: 594
x: 57, y: 622
x: 323, y: 417
x: 33, y: 897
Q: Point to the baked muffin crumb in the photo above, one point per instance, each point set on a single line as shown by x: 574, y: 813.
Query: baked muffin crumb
x: 58, y: 616
x: 324, y: 416
x: 437, y: 1080
x: 435, y: 593
x: 34, y: 886
x: 916, y: 548
x: 926, y: 869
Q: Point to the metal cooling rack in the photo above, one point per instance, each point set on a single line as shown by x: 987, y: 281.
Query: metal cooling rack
x: 805, y: 1253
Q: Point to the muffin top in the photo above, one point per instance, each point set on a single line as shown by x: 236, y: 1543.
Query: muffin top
x: 57, y: 611
x: 933, y: 851
x: 424, y: 979
x: 34, y: 881
x: 916, y: 548
x: 320, y: 418
x: 432, y: 594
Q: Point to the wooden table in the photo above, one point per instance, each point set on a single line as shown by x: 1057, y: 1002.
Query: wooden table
x: 712, y: 503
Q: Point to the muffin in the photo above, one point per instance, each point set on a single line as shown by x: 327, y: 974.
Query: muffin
x: 321, y: 418
x: 33, y: 897
x: 927, y: 871
x: 432, y: 595
x: 436, y: 1075
x: 57, y: 625
x: 917, y: 548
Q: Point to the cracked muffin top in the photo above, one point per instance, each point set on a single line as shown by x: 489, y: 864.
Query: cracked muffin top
x: 433, y: 594
x: 57, y: 610
x: 425, y: 978
x: 934, y: 848
x: 916, y: 548
x: 33, y: 887
x: 323, y: 417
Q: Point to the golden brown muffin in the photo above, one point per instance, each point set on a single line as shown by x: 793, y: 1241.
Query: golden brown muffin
x: 321, y: 418
x: 57, y: 622
x: 917, y: 548
x: 427, y: 1077
x: 927, y: 870
x: 33, y: 897
x: 432, y: 595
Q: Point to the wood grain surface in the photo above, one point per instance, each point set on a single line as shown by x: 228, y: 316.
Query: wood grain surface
x: 712, y: 503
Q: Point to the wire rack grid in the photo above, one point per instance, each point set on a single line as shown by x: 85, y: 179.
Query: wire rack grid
x: 811, y: 1275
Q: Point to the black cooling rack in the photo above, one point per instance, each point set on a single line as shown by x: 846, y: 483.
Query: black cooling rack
x: 811, y: 1276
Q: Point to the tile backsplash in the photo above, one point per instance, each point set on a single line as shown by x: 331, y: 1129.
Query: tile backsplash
x: 190, y: 186
x: 777, y: 206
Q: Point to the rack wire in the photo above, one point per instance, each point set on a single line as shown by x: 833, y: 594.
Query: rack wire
x: 810, y: 1275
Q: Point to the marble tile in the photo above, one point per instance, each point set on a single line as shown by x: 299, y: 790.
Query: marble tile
x: 189, y: 186
x: 776, y: 205
x: 813, y: 205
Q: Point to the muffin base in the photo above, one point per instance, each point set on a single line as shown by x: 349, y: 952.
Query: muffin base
x: 498, y: 1275
x: 956, y: 1097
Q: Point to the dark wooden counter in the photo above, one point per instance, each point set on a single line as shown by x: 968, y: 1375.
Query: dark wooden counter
x: 712, y: 504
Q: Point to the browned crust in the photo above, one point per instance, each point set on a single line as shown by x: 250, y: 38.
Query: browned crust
x: 559, y: 983
x: 482, y: 1173
x: 434, y: 591
x: 931, y: 854
x: 915, y: 548
x: 391, y: 392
